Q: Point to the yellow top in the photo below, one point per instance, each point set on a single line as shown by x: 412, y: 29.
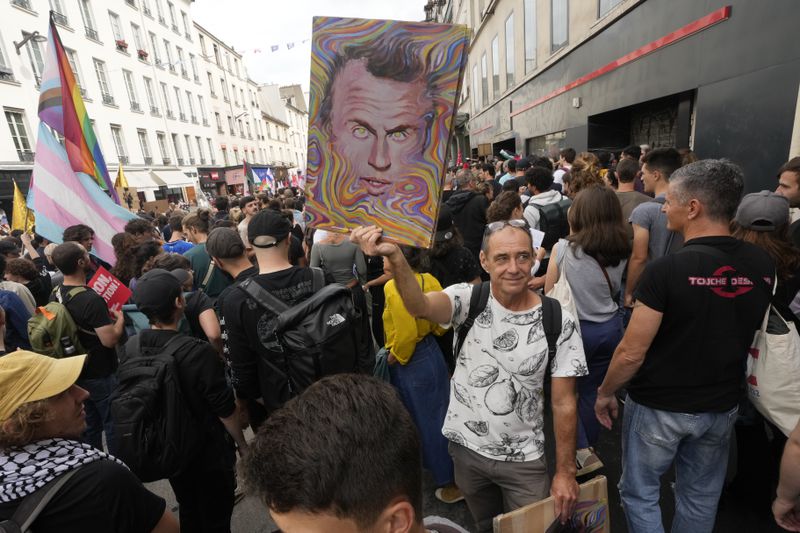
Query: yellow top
x: 403, y: 331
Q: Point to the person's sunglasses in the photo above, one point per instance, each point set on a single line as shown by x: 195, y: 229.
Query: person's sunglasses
x: 500, y: 224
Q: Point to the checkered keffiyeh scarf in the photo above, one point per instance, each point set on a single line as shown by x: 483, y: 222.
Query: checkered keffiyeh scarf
x: 25, y: 470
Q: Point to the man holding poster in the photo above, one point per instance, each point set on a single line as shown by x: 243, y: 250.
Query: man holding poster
x: 382, y: 105
x: 99, y: 331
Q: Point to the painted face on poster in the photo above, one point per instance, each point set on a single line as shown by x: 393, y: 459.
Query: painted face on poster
x: 381, y: 111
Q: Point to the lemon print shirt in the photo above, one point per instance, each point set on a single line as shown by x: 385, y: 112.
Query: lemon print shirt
x: 496, y: 395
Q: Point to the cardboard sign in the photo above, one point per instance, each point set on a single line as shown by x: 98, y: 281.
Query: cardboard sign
x: 590, y: 516
x: 113, y: 291
x: 382, y: 107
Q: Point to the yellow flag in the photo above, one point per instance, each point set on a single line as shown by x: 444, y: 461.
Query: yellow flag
x: 21, y: 217
x: 122, y: 181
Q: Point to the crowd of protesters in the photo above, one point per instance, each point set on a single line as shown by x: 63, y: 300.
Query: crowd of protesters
x: 472, y: 348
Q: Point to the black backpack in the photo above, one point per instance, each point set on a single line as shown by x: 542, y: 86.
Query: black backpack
x: 551, y: 319
x: 156, y: 433
x: 553, y: 221
x: 320, y: 336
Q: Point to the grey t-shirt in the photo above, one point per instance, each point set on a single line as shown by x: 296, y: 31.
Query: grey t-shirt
x: 593, y: 299
x: 343, y: 261
x: 649, y: 216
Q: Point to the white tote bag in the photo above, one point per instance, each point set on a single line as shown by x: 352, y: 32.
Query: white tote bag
x: 773, y: 371
x: 561, y: 291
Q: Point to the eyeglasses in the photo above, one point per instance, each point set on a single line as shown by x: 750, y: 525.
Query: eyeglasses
x: 500, y: 224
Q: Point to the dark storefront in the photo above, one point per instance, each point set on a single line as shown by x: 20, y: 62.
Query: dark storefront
x: 212, y: 181
x: 718, y: 76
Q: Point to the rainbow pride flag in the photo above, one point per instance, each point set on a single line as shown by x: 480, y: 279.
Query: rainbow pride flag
x: 61, y: 107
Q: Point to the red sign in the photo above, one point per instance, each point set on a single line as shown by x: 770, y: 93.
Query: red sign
x: 113, y: 291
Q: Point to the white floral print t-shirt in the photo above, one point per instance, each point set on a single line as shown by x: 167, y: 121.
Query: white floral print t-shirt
x: 496, y: 394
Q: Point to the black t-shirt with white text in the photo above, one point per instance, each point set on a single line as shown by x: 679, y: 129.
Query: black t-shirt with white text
x: 103, y: 497
x: 696, y: 362
x: 89, y: 311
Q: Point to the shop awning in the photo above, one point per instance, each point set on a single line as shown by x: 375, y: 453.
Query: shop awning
x: 142, y: 180
x: 173, y: 178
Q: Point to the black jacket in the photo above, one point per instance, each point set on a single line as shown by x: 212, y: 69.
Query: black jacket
x: 469, y: 214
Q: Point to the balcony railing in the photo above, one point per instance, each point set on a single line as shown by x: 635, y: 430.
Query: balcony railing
x: 91, y: 33
x: 148, y: 160
x: 135, y: 106
x: 202, y: 160
x: 162, y: 20
x: 123, y: 159
x: 183, y: 117
x: 22, y: 3
x: 171, y: 115
x: 131, y: 3
x: 58, y: 18
x: 180, y: 161
x: 6, y: 74
x: 205, y: 122
x: 108, y: 99
x: 148, y: 12
x: 191, y: 160
x: 27, y: 156
x: 175, y: 29
x: 166, y: 160
x: 172, y: 67
x: 154, y: 111
x: 194, y: 120
x: 197, y: 78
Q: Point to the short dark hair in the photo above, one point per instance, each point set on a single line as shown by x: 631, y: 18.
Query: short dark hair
x: 512, y: 165
x: 221, y: 203
x: 539, y: 177
x: 66, y: 257
x: 541, y: 161
x: 627, y: 170
x: 176, y: 222
x: 168, y: 262
x: 77, y: 233
x: 665, y: 160
x: 346, y: 446
x: 792, y: 165
x: 22, y: 267
x: 717, y: 183
x: 568, y: 154
x: 634, y: 151
x: 246, y: 200
x: 139, y: 226
x: 487, y: 167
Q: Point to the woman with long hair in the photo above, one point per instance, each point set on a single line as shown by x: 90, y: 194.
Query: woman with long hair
x: 507, y: 206
x: 593, y: 259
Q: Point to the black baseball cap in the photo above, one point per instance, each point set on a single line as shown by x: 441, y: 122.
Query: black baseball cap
x: 157, y: 289
x: 267, y: 229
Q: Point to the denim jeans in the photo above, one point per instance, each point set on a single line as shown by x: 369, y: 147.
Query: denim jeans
x: 600, y: 339
x: 698, y: 444
x: 98, y: 411
x: 424, y: 387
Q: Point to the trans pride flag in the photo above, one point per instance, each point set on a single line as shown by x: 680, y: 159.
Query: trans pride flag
x: 61, y: 107
x: 66, y: 187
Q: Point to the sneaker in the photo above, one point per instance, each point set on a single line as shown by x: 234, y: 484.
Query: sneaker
x: 449, y: 494
x: 587, y: 461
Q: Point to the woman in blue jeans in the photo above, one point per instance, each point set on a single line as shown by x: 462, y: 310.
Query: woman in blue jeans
x: 593, y: 258
x: 418, y: 370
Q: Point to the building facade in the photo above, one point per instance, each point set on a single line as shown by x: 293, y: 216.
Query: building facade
x: 135, y: 63
x: 602, y: 74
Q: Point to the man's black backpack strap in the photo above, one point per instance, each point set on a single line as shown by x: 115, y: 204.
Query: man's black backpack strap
x: 32, y: 505
x: 263, y: 297
x: 477, y: 303
x: 551, y: 321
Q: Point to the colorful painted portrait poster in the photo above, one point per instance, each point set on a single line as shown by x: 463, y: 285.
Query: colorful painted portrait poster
x: 382, y: 104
